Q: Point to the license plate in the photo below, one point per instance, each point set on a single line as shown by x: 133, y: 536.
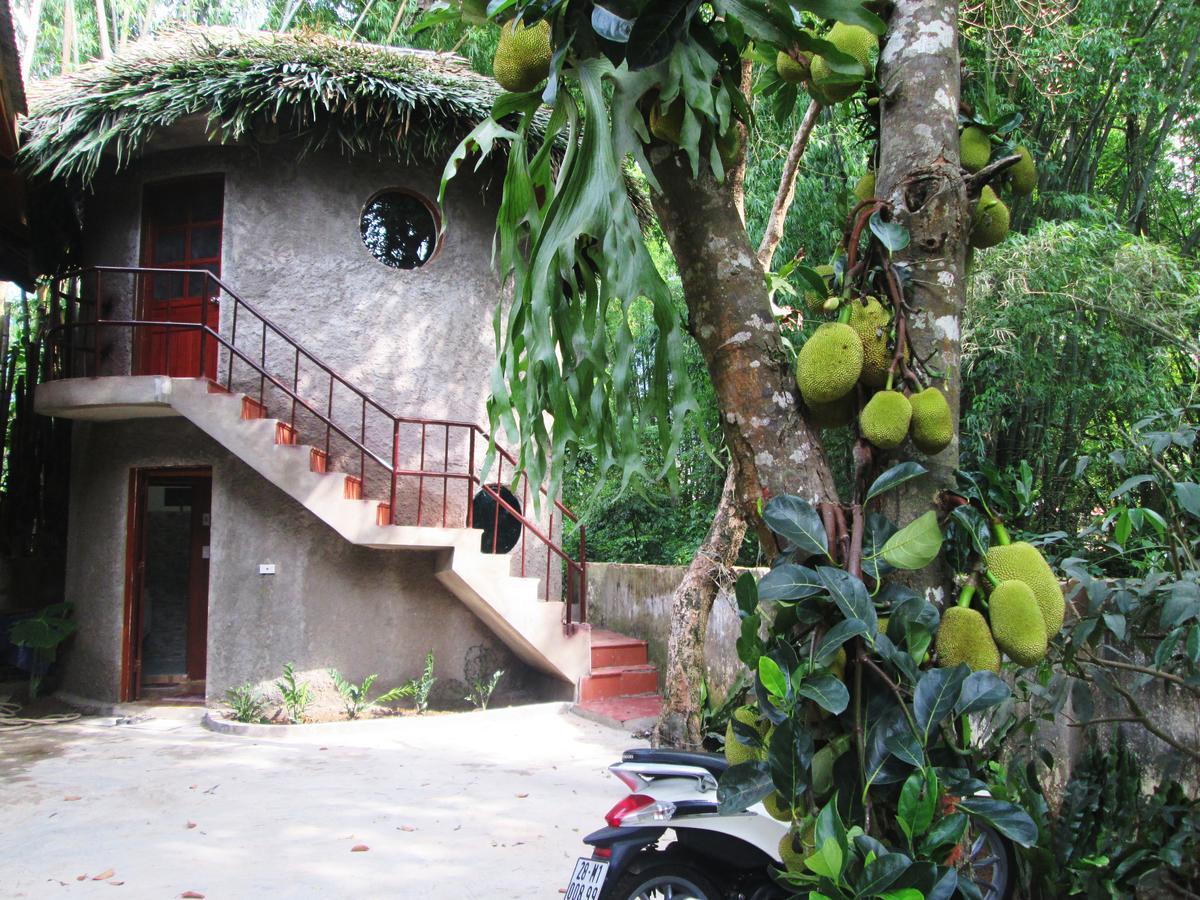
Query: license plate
x: 587, y: 879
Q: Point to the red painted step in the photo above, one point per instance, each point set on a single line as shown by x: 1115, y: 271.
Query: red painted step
x: 635, y: 713
x: 612, y: 649
x: 618, y: 681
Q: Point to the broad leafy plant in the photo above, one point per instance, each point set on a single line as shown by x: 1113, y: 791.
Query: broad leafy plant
x: 246, y: 704
x: 854, y: 725
x: 42, y: 634
x: 357, y: 699
x: 420, y: 688
x: 296, y: 695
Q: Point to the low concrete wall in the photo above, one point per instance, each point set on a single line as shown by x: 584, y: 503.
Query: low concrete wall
x: 636, y: 600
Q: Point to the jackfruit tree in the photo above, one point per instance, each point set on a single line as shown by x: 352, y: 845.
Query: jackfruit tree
x: 661, y: 92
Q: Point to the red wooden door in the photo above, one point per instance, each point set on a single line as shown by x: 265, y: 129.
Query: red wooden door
x: 181, y: 229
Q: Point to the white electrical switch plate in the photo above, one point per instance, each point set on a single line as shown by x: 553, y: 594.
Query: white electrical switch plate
x: 266, y: 568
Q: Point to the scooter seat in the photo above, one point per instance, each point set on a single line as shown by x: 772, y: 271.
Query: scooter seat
x: 713, y: 763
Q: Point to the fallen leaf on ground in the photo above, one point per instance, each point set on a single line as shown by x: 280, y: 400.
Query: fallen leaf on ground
x: 359, y: 848
x: 191, y: 824
x: 105, y: 875
x: 81, y: 877
x: 192, y: 787
x: 192, y: 895
x: 116, y: 883
x: 522, y: 796
x: 408, y: 828
x: 72, y: 797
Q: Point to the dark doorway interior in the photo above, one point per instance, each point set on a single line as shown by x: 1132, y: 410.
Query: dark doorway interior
x: 167, y: 621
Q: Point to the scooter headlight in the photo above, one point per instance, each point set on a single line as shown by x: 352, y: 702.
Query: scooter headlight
x: 639, y: 809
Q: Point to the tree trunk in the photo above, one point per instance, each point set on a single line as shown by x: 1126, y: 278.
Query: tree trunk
x: 775, y: 450
x: 680, y: 723
x: 787, y: 187
x: 919, y: 175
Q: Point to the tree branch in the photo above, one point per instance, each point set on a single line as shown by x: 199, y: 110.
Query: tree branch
x: 787, y: 187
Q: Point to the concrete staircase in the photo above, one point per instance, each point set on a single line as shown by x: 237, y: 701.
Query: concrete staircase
x: 507, y: 604
x: 622, y: 688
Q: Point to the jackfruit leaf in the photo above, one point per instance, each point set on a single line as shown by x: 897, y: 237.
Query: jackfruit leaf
x: 844, y: 66
x: 610, y: 26
x: 749, y: 644
x: 918, y: 801
x: 915, y: 545
x: 742, y: 786
x: 827, y: 860
x: 789, y: 581
x: 825, y: 691
x: 1011, y: 821
x: 850, y: 595
x: 903, y: 745
x: 981, y: 690
x: 887, y: 729
x: 657, y: 29
x: 773, y: 678
x: 1187, y: 495
x: 875, y: 535
x: 747, y: 593
x: 974, y: 526
x: 945, y: 834
x: 829, y: 827
x: 935, y: 697
x: 902, y: 894
x: 852, y: 12
x: 880, y: 874
x: 797, y: 522
x: 836, y: 636
x: 1182, y: 604
x: 1009, y: 123
x: 766, y: 705
x: 1129, y: 484
x: 892, y: 235
x: 745, y: 733
x: 790, y: 758
x: 893, y: 478
x: 900, y: 660
x: 945, y: 887
x: 1116, y: 624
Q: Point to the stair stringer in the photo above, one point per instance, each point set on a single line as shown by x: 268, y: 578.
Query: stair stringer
x: 508, y: 605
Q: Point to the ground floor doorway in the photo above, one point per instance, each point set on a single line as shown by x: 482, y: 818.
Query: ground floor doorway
x: 166, y: 602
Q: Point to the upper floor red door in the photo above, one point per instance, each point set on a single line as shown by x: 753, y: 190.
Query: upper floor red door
x: 181, y: 229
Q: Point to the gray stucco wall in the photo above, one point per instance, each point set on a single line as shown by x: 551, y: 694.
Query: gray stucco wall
x: 330, y: 603
x: 419, y: 341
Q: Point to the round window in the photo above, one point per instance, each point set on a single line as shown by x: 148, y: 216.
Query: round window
x: 399, y: 229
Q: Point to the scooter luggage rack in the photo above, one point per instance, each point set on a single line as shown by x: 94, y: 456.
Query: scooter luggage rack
x: 649, y: 771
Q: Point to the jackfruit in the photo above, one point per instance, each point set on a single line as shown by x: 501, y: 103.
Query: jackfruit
x: 791, y: 69
x: 836, y: 414
x: 1022, y: 177
x: 796, y: 846
x: 777, y: 807
x: 964, y: 638
x: 737, y: 752
x: 990, y: 223
x: 1017, y: 623
x: 522, y: 59
x: 864, y: 190
x: 854, y: 40
x: 829, y: 363
x: 474, y: 12
x: 1022, y: 562
x: 932, y: 422
x: 870, y: 322
x: 667, y: 126
x: 974, y: 149
x: 884, y: 420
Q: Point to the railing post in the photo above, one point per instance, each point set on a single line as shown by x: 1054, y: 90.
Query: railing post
x: 421, y: 477
x: 96, y: 326
x: 262, y: 368
x: 445, y: 473
x: 499, y: 485
x: 233, y: 343
x: 395, y: 467
x: 328, y: 421
x: 295, y: 386
x: 362, y: 450
x: 583, y: 573
x: 471, y: 482
x: 549, y: 555
x: 204, y: 326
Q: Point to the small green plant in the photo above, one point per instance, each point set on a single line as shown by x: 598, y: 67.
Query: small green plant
x: 246, y: 703
x: 42, y: 634
x: 419, y: 688
x: 480, y: 684
x: 296, y: 695
x: 356, y: 697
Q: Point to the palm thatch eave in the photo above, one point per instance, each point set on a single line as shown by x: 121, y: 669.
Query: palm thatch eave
x: 410, y: 104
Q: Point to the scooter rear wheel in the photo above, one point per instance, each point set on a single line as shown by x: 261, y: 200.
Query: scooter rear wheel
x: 666, y: 881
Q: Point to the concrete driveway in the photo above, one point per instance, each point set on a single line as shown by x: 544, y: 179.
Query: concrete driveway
x: 474, y: 805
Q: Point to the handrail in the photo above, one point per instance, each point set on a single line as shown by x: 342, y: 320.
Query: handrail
x: 67, y: 322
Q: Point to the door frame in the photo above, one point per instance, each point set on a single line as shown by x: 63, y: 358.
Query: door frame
x: 135, y: 571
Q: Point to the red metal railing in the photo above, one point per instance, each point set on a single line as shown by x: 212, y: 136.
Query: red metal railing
x: 80, y: 344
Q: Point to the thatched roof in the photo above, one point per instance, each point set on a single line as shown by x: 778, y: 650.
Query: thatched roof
x: 363, y: 98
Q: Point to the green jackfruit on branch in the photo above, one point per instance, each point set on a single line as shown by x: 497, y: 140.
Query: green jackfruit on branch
x: 1022, y: 177
x: 737, y: 752
x: 1017, y: 623
x: 990, y: 223
x: 964, y: 637
x: 667, y: 126
x: 932, y: 422
x: 974, y: 149
x: 790, y: 69
x: 884, y: 420
x: 1022, y: 562
x: 870, y: 322
x: 864, y: 189
x: 522, y: 59
x: 825, y: 85
x: 829, y: 363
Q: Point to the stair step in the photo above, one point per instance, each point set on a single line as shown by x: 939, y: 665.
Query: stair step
x: 214, y: 388
x: 612, y: 649
x: 286, y: 434
x: 383, y: 514
x: 318, y: 460
x: 618, y: 681
x: 252, y: 409
x: 354, y: 487
x: 636, y: 713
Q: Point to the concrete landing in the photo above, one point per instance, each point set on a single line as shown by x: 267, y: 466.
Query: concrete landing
x: 634, y: 714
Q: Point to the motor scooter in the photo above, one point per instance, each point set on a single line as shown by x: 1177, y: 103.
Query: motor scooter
x: 714, y: 856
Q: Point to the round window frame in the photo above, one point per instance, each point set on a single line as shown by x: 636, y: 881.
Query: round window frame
x: 424, y: 201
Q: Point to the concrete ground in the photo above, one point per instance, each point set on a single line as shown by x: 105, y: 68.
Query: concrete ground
x: 473, y: 805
